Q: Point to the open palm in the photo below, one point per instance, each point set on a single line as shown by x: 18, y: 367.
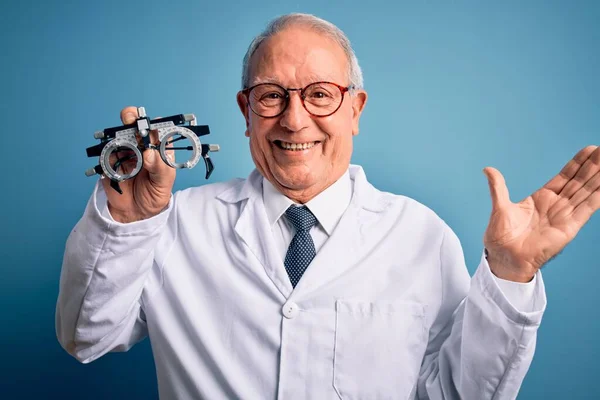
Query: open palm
x: 522, y: 237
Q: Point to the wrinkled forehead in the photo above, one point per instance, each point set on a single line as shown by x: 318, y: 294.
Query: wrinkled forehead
x: 298, y: 56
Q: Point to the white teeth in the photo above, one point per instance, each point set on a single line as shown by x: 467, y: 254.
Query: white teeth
x: 297, y: 146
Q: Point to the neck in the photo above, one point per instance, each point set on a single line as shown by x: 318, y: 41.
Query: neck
x: 303, y: 195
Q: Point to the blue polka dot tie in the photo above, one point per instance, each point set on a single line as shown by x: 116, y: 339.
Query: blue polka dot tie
x: 302, y: 248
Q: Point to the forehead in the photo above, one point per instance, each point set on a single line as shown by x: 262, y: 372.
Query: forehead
x: 298, y: 56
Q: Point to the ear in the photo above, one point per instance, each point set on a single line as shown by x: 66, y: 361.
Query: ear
x: 242, y: 101
x: 359, y: 100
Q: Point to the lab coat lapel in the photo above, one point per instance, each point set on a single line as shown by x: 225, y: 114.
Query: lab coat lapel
x: 343, y: 248
x: 336, y: 255
x: 254, y: 230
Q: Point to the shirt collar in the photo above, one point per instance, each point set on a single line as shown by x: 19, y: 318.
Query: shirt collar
x: 328, y: 206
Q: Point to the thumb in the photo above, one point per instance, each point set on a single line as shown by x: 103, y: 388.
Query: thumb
x: 129, y: 115
x: 498, y: 189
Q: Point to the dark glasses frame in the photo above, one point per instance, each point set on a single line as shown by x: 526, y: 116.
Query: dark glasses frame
x: 343, y: 90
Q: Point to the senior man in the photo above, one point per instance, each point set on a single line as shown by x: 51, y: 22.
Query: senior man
x: 304, y: 281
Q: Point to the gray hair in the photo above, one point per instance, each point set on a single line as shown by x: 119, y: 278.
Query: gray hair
x: 320, y: 25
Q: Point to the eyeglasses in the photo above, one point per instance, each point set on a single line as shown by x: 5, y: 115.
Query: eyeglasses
x: 321, y: 99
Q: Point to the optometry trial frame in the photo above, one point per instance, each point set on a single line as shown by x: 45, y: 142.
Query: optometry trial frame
x: 133, y: 139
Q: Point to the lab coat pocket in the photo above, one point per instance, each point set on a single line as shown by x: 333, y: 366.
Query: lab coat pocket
x: 378, y: 350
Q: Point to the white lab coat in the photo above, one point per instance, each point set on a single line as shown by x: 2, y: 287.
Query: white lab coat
x: 385, y: 310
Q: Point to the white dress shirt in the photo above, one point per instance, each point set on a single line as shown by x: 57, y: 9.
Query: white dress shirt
x: 328, y: 207
x: 385, y: 310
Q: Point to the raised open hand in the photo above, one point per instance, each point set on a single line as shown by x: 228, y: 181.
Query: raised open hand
x: 522, y: 237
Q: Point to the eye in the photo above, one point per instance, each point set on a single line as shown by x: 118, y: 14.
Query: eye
x: 319, y: 92
x: 271, y: 96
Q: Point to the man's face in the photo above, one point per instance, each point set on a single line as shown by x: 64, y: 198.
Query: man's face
x: 294, y: 58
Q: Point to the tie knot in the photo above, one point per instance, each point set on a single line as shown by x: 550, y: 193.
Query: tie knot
x: 301, y: 217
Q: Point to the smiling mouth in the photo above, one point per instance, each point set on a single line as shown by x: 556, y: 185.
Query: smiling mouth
x: 295, y: 146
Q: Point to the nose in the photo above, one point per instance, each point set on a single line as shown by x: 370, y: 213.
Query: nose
x: 295, y: 117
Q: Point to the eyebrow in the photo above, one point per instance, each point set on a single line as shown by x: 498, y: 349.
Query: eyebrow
x: 258, y: 81
x: 310, y: 79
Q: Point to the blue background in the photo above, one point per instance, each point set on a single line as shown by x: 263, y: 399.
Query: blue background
x: 454, y: 87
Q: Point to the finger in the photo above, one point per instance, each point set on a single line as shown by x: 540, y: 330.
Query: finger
x: 498, y: 189
x: 129, y: 115
x: 586, y: 209
x: 557, y: 183
x: 154, y: 135
x: 156, y: 142
x: 158, y: 171
x: 591, y: 186
x: 153, y: 163
x: 170, y: 153
x: 168, y: 145
x: 587, y: 170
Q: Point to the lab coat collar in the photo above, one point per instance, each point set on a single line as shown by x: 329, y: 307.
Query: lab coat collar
x: 275, y: 202
x: 364, y: 195
x: 244, y: 189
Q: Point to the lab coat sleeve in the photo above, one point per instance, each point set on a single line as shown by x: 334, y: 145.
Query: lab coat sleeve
x: 480, y: 345
x: 104, y: 269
